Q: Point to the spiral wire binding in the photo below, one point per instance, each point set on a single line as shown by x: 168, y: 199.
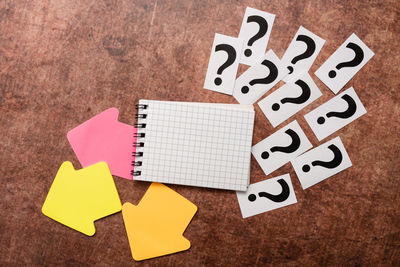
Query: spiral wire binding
x: 140, y: 126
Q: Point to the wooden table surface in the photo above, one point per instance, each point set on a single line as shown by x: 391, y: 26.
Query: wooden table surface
x: 62, y: 62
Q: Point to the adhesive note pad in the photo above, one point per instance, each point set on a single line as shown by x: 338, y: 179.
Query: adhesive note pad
x: 267, y: 195
x: 79, y: 197
x: 155, y: 227
x: 344, y: 63
x: 259, y: 79
x: 281, y: 147
x: 104, y: 138
x: 301, y: 53
x: 255, y: 31
x: 335, y: 114
x: 223, y: 64
x: 321, y: 163
x: 289, y: 99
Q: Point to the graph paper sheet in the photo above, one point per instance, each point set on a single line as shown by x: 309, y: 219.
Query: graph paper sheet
x: 196, y: 144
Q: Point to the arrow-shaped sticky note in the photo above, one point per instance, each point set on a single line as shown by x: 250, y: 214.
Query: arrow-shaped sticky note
x: 155, y: 227
x: 104, y: 138
x: 79, y: 197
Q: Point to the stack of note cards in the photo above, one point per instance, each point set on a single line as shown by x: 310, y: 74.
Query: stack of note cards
x: 196, y: 144
x: 289, y: 143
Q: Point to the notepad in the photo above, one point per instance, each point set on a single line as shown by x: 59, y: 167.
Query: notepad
x: 195, y: 144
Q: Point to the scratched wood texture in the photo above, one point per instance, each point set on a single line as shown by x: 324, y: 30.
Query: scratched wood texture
x: 62, y: 62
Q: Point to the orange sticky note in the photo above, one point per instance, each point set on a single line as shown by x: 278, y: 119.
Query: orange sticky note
x: 155, y: 227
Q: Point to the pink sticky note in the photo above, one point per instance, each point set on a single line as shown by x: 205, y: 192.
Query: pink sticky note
x: 104, y: 138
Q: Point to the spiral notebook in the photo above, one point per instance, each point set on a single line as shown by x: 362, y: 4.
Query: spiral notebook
x: 195, y: 144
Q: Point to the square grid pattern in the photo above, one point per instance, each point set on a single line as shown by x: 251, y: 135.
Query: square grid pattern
x: 197, y: 144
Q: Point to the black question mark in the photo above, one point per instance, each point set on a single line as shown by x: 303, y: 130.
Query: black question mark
x: 351, y: 109
x: 295, y: 144
x: 337, y: 159
x: 275, y: 198
x: 305, y: 95
x: 262, y: 23
x: 308, y: 53
x: 231, y: 59
x: 358, y: 58
x: 273, y: 73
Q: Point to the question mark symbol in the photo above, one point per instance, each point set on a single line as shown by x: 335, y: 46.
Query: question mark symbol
x: 276, y: 198
x: 337, y: 159
x: 351, y: 109
x: 358, y: 58
x: 262, y: 23
x: 295, y: 144
x: 273, y: 73
x: 308, y: 53
x: 305, y: 95
x: 231, y: 59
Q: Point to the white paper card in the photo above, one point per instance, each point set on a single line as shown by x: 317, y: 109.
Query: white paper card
x: 266, y: 195
x: 321, y: 162
x: 259, y: 78
x: 335, y: 113
x: 344, y: 63
x: 255, y: 31
x: 289, y: 99
x: 281, y: 147
x: 301, y: 53
x: 223, y: 64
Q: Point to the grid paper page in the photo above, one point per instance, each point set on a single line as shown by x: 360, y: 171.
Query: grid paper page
x: 196, y: 144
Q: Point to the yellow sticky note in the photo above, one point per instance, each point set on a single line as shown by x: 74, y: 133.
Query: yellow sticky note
x: 79, y: 197
x: 155, y: 227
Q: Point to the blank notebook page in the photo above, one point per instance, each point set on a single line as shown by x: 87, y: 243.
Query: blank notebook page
x: 197, y: 144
